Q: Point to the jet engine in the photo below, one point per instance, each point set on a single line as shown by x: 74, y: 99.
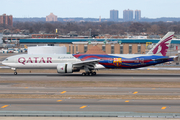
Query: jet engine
x: 66, y: 68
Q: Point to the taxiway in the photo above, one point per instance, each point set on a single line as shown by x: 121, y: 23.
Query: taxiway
x: 111, y: 98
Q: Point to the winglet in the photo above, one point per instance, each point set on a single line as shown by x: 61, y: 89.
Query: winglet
x: 162, y: 46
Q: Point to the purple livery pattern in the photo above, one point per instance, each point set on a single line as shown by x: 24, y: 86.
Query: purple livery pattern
x: 163, y: 46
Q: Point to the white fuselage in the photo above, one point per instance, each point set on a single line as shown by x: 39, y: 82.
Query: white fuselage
x: 28, y: 61
x: 49, y: 61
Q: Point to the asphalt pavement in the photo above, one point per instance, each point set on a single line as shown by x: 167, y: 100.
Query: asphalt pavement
x: 95, y: 105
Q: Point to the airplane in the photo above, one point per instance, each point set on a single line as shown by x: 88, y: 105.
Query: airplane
x: 69, y: 63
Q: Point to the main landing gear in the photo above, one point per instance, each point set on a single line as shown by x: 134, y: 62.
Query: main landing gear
x: 88, y: 73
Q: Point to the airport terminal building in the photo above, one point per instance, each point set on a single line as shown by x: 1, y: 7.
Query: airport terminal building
x: 78, y: 47
x: 110, y: 46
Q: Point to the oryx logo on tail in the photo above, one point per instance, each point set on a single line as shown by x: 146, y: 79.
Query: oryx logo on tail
x: 162, y: 46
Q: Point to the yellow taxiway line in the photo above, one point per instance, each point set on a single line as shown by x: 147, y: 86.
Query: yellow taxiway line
x: 4, y: 106
x: 82, y: 107
x: 163, y: 108
x: 63, y: 92
x: 135, y: 92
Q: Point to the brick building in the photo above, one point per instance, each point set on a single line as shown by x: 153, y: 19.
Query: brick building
x: 107, y: 48
x: 6, y: 20
x: 44, y: 35
x: 51, y: 17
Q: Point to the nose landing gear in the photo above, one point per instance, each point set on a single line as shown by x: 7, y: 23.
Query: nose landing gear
x: 15, y: 73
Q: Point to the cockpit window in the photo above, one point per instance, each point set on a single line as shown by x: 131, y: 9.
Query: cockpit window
x: 6, y: 59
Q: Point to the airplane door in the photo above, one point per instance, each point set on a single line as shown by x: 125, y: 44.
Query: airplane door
x: 141, y: 60
x: 110, y: 60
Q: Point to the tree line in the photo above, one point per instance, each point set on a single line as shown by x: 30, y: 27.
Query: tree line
x: 82, y: 28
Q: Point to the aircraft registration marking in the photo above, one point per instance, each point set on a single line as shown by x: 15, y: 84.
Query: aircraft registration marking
x: 63, y: 92
x: 127, y: 101
x: 82, y: 107
x: 135, y: 92
x: 163, y: 108
x: 4, y: 106
x: 59, y: 100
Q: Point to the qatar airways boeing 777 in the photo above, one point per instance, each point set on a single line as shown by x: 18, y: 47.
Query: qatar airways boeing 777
x: 69, y: 63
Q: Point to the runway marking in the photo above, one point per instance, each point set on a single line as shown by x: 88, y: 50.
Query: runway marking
x: 127, y: 101
x: 153, y: 88
x: 163, y: 108
x: 82, y: 107
x: 4, y: 106
x: 135, y: 92
x: 59, y: 100
x: 63, y: 92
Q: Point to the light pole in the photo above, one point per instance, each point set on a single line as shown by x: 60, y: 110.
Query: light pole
x: 90, y: 33
x: 56, y: 32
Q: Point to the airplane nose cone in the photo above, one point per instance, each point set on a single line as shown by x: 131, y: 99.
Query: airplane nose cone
x: 2, y: 62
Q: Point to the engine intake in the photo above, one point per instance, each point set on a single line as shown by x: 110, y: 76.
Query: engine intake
x: 64, y: 68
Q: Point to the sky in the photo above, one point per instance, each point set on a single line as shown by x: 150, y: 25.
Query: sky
x: 88, y: 8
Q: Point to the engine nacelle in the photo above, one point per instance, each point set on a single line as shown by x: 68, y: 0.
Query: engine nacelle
x: 65, y: 68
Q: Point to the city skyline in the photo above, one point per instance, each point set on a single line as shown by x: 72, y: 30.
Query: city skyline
x: 114, y: 15
x: 128, y: 15
x: 88, y: 9
x: 137, y: 15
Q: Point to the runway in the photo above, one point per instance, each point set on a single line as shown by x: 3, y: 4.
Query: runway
x: 98, y: 75
x: 101, y: 93
x: 89, y: 91
x: 102, y: 77
x: 90, y: 105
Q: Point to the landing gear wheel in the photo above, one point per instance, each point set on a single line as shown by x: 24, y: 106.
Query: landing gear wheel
x: 90, y: 74
x: 94, y: 73
x: 83, y: 74
x: 15, y: 73
x: 87, y: 73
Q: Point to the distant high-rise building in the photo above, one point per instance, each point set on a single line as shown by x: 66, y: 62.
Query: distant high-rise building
x: 114, y: 15
x: 128, y: 15
x: 137, y: 15
x: 6, y: 20
x: 51, y: 17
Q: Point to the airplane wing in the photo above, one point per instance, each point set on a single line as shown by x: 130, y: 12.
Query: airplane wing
x: 90, y: 64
